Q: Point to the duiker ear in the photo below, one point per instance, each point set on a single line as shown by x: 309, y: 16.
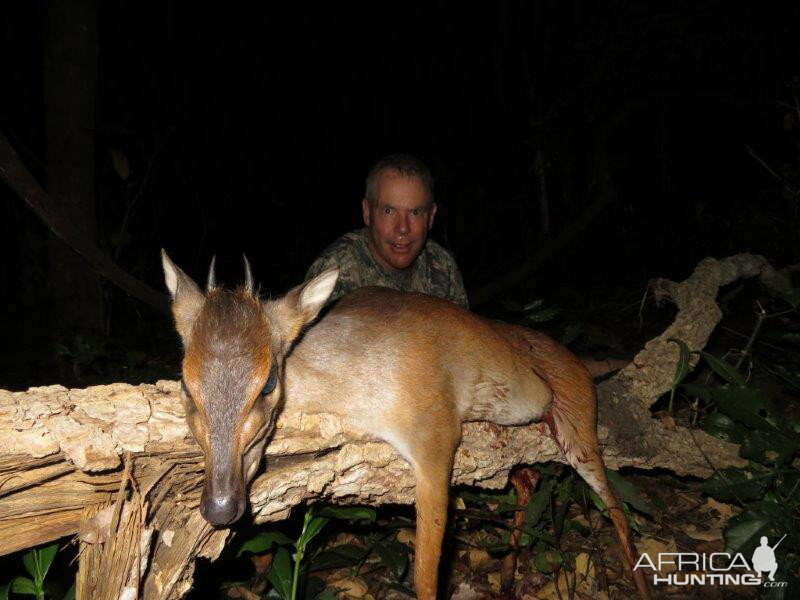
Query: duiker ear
x: 187, y: 299
x: 301, y: 305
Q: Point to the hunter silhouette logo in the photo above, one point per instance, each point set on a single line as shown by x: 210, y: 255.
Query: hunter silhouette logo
x: 764, y: 557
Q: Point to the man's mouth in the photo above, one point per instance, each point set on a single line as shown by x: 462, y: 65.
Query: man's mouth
x: 400, y: 248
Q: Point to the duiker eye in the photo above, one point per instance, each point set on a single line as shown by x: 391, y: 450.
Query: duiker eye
x: 269, y: 386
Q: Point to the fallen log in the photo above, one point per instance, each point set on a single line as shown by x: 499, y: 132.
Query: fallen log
x: 116, y: 465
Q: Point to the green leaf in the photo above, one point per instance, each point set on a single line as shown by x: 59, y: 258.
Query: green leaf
x: 280, y: 574
x: 533, y: 305
x: 570, y: 333
x: 792, y: 296
x: 488, y: 497
x: 628, y: 493
x: 765, y: 448
x: 659, y: 503
x: 46, y: 556
x: 681, y: 369
x: 747, y: 405
x: 724, y: 428
x: 4, y: 591
x: 573, y: 525
x: 312, y: 588
x: 734, y: 485
x: 29, y: 559
x: 496, y: 542
x: 699, y: 391
x: 601, y: 506
x: 505, y: 508
x: 744, y: 531
x: 564, y: 494
x: 344, y: 555
x: 787, y: 482
x: 327, y: 594
x: 70, y: 595
x: 549, y: 561
x: 723, y: 369
x: 538, y: 504
x: 538, y: 533
x: 548, y: 314
x: 23, y: 585
x: 350, y: 513
x: 314, y: 527
x: 393, y: 555
x: 263, y: 542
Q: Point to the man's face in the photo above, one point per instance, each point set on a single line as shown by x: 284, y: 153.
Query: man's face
x: 398, y: 219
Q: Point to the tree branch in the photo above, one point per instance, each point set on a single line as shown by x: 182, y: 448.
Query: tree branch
x: 61, y: 471
x: 19, y: 179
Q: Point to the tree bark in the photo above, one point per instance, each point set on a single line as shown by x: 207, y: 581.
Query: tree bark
x: 116, y: 464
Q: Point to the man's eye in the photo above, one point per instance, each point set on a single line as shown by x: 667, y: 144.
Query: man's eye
x: 387, y: 210
x: 272, y: 380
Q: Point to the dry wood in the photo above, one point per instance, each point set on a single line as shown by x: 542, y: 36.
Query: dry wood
x: 62, y: 466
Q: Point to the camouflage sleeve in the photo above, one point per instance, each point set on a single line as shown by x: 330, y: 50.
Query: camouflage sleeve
x: 341, y: 255
x: 320, y: 264
x: 323, y: 263
x: 457, y: 292
x: 444, y: 277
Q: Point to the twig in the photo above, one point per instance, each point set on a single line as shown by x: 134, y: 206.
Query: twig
x: 743, y: 335
x: 123, y: 485
x: 641, y: 308
x: 712, y: 466
x: 761, y: 161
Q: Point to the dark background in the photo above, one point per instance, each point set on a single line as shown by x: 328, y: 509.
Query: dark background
x: 248, y: 128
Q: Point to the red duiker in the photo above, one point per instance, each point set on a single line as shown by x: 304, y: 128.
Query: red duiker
x: 404, y: 368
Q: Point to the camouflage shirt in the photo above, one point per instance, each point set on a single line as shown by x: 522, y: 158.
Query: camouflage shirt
x: 434, y: 272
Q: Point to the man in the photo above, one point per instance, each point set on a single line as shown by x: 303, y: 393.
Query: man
x: 393, y: 249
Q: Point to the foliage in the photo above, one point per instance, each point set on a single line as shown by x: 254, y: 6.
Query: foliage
x: 294, y: 560
x: 37, y: 562
x: 546, y: 515
x: 753, y: 416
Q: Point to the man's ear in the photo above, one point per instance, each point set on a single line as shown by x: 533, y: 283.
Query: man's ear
x: 365, y: 211
x: 187, y: 299
x: 431, y: 215
x: 288, y: 315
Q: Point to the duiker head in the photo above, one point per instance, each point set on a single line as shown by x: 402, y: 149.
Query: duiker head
x: 234, y: 348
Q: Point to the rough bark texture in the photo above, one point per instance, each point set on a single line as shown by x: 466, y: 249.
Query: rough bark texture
x: 116, y: 463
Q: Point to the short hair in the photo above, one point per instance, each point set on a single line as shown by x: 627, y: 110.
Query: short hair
x: 405, y: 164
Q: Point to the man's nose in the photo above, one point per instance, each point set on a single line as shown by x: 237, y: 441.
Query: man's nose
x: 403, y: 224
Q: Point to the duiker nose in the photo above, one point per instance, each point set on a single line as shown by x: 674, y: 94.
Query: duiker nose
x: 221, y: 510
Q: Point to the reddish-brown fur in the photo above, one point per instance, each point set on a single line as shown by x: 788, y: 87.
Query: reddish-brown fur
x: 405, y: 368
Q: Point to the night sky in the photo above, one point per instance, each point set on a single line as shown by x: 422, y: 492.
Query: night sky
x: 251, y: 130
